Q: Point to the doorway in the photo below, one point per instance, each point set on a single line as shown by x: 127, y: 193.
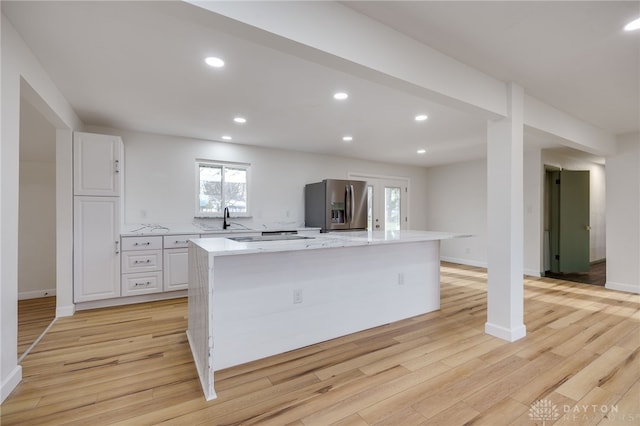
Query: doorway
x: 387, y: 201
x: 37, y: 269
x: 567, y: 227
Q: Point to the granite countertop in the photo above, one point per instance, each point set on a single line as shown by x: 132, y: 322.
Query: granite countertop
x: 226, y: 246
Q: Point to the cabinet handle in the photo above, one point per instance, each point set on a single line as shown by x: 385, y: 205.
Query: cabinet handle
x: 117, y: 247
x: 142, y: 284
x: 142, y: 261
x: 142, y: 244
x: 117, y: 166
x: 181, y: 242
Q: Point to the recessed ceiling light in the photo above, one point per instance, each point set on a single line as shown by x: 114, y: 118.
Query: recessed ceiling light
x: 226, y: 137
x: 240, y: 120
x: 421, y: 151
x: 421, y: 117
x: 214, y: 62
x: 633, y: 25
x: 340, y: 96
x: 347, y: 138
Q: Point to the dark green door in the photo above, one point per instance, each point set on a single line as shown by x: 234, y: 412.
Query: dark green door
x: 574, y: 226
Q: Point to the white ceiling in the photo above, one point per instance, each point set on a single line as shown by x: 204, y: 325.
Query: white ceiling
x: 139, y: 66
x: 573, y: 55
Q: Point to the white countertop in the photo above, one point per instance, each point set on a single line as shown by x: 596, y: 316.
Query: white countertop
x: 208, y: 227
x: 225, y: 246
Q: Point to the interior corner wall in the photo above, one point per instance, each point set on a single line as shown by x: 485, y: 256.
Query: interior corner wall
x: 18, y: 64
x: 623, y: 211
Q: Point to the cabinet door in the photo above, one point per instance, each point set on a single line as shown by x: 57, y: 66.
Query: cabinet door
x: 97, y: 163
x: 176, y: 269
x: 96, y: 254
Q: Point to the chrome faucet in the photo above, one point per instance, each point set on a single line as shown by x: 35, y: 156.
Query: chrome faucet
x: 225, y: 216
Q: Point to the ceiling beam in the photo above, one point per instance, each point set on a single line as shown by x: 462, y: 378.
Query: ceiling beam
x: 341, y: 38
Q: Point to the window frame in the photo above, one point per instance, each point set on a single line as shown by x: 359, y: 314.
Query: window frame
x: 223, y: 165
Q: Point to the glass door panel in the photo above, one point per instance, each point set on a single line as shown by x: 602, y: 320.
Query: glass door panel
x: 392, y: 210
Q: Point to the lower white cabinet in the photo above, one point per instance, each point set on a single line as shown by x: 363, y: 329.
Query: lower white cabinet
x: 176, y: 269
x: 96, y: 248
x: 141, y: 265
x: 176, y: 263
x: 141, y: 283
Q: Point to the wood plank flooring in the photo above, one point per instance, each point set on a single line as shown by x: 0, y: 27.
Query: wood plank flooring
x: 131, y: 365
x: 34, y: 316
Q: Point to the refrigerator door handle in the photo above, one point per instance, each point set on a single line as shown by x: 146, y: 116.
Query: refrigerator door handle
x: 353, y: 208
x: 347, y: 200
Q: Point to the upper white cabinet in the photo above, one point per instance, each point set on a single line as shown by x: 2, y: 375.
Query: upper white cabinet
x: 97, y: 164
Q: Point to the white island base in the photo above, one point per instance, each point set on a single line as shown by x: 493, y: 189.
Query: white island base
x: 252, y: 300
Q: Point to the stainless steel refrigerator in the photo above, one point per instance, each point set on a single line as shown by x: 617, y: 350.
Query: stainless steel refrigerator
x: 336, y: 205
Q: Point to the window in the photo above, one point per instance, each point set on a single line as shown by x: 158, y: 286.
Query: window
x: 221, y: 185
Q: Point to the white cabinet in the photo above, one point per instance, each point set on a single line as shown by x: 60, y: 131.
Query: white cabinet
x: 97, y: 164
x: 97, y: 181
x: 176, y: 269
x: 141, y: 265
x: 176, y: 262
x: 96, y: 238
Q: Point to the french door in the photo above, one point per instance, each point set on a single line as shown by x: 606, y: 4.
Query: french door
x: 387, y: 204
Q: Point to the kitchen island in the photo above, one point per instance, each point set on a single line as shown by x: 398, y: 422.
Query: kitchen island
x: 254, y: 298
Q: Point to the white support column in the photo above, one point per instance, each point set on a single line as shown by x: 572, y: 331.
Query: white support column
x: 505, y: 199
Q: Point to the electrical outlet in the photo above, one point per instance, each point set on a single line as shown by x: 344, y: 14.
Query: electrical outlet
x: 401, y: 278
x: 297, y: 295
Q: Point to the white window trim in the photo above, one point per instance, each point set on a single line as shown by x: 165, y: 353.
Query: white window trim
x: 246, y: 166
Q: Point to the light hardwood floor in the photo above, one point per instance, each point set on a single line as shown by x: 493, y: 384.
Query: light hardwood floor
x: 34, y: 316
x: 132, y: 365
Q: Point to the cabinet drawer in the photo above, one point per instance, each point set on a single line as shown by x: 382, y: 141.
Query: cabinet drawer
x: 141, y: 261
x: 149, y: 282
x: 177, y: 241
x: 141, y: 243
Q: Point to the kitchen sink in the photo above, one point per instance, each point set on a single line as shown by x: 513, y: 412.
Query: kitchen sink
x: 277, y: 237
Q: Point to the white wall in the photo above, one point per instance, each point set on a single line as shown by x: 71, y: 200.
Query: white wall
x: 18, y: 65
x: 160, y: 178
x: 533, y: 174
x: 623, y: 213
x: 457, y: 202
x: 37, y: 216
x: 37, y: 230
x: 597, y: 198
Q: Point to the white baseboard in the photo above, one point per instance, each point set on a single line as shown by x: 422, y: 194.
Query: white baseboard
x: 508, y: 334
x: 35, y: 294
x: 532, y: 273
x: 10, y: 383
x: 629, y: 288
x: 65, y: 311
x: 467, y: 262
x: 120, y: 301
